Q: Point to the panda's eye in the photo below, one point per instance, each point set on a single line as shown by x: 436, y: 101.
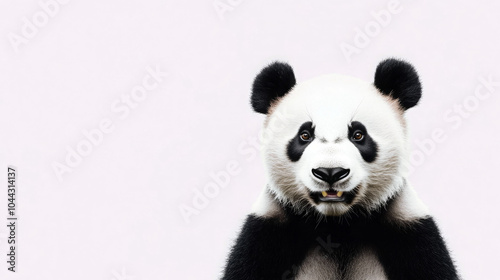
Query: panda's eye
x: 305, y: 136
x: 358, y: 136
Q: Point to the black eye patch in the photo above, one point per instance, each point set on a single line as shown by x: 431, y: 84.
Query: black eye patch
x: 296, y: 146
x: 366, y: 146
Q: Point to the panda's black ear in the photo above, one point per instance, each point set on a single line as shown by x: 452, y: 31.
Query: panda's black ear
x: 399, y: 80
x: 273, y: 82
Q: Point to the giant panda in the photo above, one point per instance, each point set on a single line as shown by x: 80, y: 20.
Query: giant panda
x: 338, y: 204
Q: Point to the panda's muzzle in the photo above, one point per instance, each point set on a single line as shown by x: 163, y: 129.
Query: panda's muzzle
x: 330, y: 175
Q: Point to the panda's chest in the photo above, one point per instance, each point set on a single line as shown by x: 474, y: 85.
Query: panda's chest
x: 341, y: 263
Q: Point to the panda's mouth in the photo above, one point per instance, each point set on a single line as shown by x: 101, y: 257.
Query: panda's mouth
x: 333, y: 196
x: 329, y: 196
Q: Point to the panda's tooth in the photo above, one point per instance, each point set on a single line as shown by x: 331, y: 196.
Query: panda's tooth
x: 339, y: 194
x: 324, y: 193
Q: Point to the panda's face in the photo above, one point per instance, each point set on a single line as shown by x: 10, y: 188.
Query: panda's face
x: 334, y: 142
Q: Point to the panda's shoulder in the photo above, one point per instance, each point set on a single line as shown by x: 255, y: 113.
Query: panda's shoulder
x: 406, y: 207
x: 267, y: 206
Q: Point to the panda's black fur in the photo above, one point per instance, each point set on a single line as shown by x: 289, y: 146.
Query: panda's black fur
x: 271, y: 83
x: 289, y: 243
x: 399, y: 80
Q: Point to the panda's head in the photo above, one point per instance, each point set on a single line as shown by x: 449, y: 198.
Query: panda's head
x: 335, y: 142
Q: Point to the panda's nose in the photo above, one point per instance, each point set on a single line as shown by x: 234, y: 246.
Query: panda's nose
x: 330, y: 175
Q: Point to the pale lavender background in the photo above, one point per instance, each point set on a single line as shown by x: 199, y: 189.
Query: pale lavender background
x: 116, y: 215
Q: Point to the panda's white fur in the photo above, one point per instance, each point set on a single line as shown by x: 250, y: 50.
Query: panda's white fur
x: 384, y: 230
